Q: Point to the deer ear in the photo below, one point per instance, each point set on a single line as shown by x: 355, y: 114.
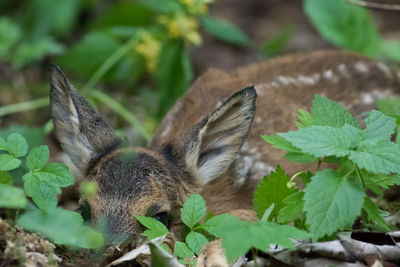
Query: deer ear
x: 82, y: 132
x: 210, y: 147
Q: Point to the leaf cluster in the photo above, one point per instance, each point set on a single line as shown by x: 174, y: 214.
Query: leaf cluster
x: 334, y: 198
x: 42, y: 182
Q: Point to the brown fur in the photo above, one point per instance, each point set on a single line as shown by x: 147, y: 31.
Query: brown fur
x: 283, y: 85
x: 204, y: 143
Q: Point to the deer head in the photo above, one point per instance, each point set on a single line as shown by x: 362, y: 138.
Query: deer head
x: 138, y: 181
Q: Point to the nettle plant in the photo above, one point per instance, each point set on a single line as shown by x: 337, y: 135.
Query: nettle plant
x: 333, y: 198
x: 42, y: 182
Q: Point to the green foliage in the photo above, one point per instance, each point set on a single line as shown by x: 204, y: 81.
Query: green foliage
x: 196, y: 241
x: 366, y: 159
x: 62, y: 227
x: 155, y: 228
x: 272, y: 190
x: 332, y: 202
x: 225, y: 31
x: 350, y: 27
x: 193, y: 210
x: 273, y: 46
x: 42, y: 182
x: 181, y: 250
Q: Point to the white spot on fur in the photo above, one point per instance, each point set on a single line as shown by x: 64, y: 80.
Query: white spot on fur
x: 329, y: 75
x: 174, y: 113
x: 367, y: 98
x: 342, y: 68
x: 306, y: 79
x: 385, y: 69
x: 361, y: 67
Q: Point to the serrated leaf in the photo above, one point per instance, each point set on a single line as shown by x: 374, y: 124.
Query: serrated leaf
x: 181, y: 250
x: 62, y: 227
x: 238, y: 236
x: 267, y: 213
x: 304, y: 117
x: 377, y: 182
x: 43, y: 195
x: 155, y: 227
x: 379, y: 126
x: 38, y: 157
x: 225, y: 31
x: 326, y: 112
x: 279, y: 143
x: 293, y: 207
x: 272, y: 189
x: 8, y: 162
x: 332, y: 202
x: 320, y: 141
x: 17, y: 145
x: 377, y: 157
x: 214, y: 222
x: 193, y: 210
x: 12, y: 197
x: 196, y: 241
x: 56, y: 174
x: 373, y: 213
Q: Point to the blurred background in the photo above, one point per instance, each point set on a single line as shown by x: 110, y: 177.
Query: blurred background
x: 133, y: 59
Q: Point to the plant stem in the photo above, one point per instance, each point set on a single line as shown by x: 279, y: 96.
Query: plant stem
x: 359, y: 174
x: 109, y: 63
x: 123, y: 112
x: 24, y: 106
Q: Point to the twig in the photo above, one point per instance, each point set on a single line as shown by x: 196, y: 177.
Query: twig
x: 24, y: 106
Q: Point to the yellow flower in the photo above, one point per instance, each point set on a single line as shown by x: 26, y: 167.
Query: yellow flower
x: 196, y: 7
x: 149, y: 48
x: 181, y: 26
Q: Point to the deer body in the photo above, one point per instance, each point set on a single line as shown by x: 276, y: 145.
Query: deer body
x: 206, y: 143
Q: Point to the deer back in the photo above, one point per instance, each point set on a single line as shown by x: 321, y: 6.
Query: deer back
x: 283, y: 85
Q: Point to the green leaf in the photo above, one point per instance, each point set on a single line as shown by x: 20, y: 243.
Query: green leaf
x: 373, y: 213
x: 35, y: 50
x: 56, y: 174
x: 273, y: 46
x: 10, y: 34
x: 17, y: 145
x: 182, y: 250
x: 377, y: 182
x: 155, y: 228
x: 38, y: 157
x: 304, y: 117
x: 86, y: 56
x: 390, y: 48
x: 173, y: 75
x: 6, y: 178
x: 35, y: 135
x: 293, y: 207
x: 389, y: 106
x: 272, y: 189
x: 3, y: 144
x: 196, y: 241
x: 320, y: 141
x: 379, y: 126
x: 12, y: 197
x: 193, y: 210
x: 225, y: 31
x: 163, y: 6
x: 43, y: 195
x: 267, y: 214
x: 377, y: 157
x: 62, y: 227
x: 215, y: 222
x: 332, y: 202
x: 344, y: 25
x: 280, y: 143
x: 8, y: 162
x: 238, y: 236
x: 326, y: 112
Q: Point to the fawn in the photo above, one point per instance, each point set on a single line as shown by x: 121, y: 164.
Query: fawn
x: 206, y: 144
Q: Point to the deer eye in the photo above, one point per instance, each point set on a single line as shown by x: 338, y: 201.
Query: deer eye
x: 163, y: 217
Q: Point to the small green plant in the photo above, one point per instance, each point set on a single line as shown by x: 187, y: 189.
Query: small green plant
x: 350, y: 27
x: 238, y: 236
x: 42, y: 182
x: 334, y: 198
